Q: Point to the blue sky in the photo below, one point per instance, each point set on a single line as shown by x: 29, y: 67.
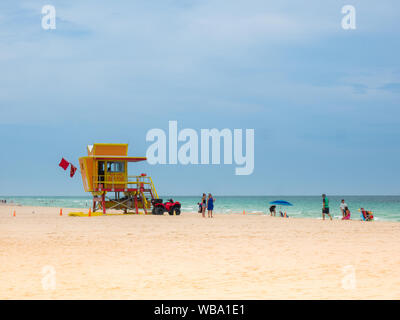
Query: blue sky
x: 324, y: 102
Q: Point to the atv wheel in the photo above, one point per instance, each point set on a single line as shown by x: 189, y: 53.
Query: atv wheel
x: 177, y: 211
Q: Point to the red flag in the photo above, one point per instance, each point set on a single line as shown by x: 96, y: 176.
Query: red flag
x: 73, y: 170
x: 64, y: 164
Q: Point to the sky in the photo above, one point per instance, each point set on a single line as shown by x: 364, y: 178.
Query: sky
x: 323, y: 101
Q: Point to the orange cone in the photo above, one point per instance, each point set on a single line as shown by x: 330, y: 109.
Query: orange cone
x: 14, y: 214
x: 90, y: 212
x: 60, y: 212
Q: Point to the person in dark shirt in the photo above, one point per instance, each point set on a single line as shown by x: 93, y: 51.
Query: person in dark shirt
x: 272, y: 210
x: 203, y: 205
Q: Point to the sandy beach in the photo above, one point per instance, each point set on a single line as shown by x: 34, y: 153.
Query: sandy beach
x: 231, y: 256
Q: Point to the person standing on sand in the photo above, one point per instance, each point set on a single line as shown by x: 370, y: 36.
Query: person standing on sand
x: 343, y: 206
x: 203, y: 205
x: 272, y: 210
x: 210, y: 205
x: 325, y: 207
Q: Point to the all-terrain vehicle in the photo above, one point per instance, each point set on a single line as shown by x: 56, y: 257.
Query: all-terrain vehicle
x: 171, y: 206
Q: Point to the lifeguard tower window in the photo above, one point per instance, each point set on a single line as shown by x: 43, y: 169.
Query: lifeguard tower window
x: 101, y: 170
x: 115, y: 166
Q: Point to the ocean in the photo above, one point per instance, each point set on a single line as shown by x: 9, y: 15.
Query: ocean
x: 386, y: 208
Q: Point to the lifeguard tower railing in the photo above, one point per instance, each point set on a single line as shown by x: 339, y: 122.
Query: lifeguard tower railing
x: 142, y: 183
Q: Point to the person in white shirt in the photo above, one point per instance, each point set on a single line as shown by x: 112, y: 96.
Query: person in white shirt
x: 343, y: 206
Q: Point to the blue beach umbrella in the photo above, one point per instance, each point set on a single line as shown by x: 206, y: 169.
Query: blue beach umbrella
x: 281, y: 203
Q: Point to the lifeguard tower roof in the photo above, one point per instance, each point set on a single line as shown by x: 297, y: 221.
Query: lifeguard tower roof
x: 111, y: 151
x: 107, y: 149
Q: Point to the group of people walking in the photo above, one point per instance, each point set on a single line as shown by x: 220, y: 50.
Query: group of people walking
x: 206, y: 202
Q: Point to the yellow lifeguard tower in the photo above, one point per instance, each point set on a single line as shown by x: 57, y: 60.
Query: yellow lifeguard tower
x: 105, y: 170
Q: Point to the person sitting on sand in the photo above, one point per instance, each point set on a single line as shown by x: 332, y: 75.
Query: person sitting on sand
x: 342, y: 207
x: 346, y: 214
x: 325, y: 207
x: 283, y: 215
x: 210, y: 205
x: 272, y: 210
x: 366, y: 215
